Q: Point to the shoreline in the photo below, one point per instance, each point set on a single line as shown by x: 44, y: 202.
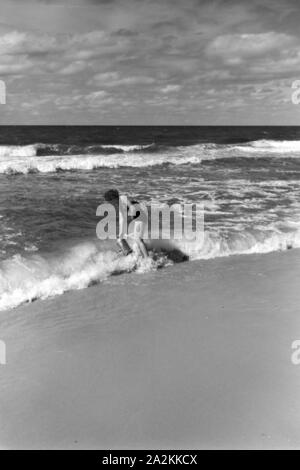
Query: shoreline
x: 197, y: 355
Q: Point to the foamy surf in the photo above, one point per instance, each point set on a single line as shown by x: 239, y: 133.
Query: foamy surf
x: 25, y: 279
x: 88, y: 162
x: 40, y: 149
x: 43, y: 158
x: 18, y: 150
x: 128, y: 148
x: 271, y: 146
x: 245, y: 243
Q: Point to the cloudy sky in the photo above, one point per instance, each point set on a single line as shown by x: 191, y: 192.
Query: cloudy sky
x: 149, y: 61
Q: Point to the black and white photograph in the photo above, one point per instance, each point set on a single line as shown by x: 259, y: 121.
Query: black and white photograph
x: 149, y: 227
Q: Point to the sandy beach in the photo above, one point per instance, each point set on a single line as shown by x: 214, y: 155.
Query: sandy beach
x: 197, y: 355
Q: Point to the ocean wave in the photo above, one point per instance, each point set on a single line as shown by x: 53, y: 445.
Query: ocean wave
x: 18, y: 150
x: 89, y: 162
x: 270, y: 146
x: 43, y: 158
x: 24, y: 279
x: 27, y: 278
x: 40, y: 149
x: 128, y: 148
x: 43, y: 149
x: 244, y: 242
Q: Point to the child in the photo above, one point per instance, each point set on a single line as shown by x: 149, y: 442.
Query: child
x: 125, y: 208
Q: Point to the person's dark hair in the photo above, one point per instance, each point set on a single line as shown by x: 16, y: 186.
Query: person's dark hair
x: 111, y: 195
x: 135, y: 203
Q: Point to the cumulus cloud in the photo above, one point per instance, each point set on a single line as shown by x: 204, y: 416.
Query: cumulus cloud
x: 128, y: 56
x: 243, y: 46
x: 170, y: 88
x: 16, y: 42
x: 113, y: 79
x: 74, y: 67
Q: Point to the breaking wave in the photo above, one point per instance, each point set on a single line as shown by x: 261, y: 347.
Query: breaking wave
x: 40, y: 149
x: 18, y: 150
x: 43, y: 158
x: 89, y: 162
x: 24, y: 279
x: 242, y: 243
x: 271, y: 146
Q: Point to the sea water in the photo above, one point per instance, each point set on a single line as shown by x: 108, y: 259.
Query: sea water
x: 52, y: 180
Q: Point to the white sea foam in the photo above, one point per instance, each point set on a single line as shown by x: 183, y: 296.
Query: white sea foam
x: 26, y: 159
x: 18, y: 150
x: 127, y: 148
x: 89, y: 162
x: 244, y: 242
x: 24, y: 279
x: 32, y: 150
x: 271, y: 146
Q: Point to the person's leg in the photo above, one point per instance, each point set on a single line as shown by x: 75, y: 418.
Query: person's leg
x: 142, y: 248
x: 138, y: 237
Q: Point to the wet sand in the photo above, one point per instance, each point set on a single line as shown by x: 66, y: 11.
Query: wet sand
x: 197, y: 355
